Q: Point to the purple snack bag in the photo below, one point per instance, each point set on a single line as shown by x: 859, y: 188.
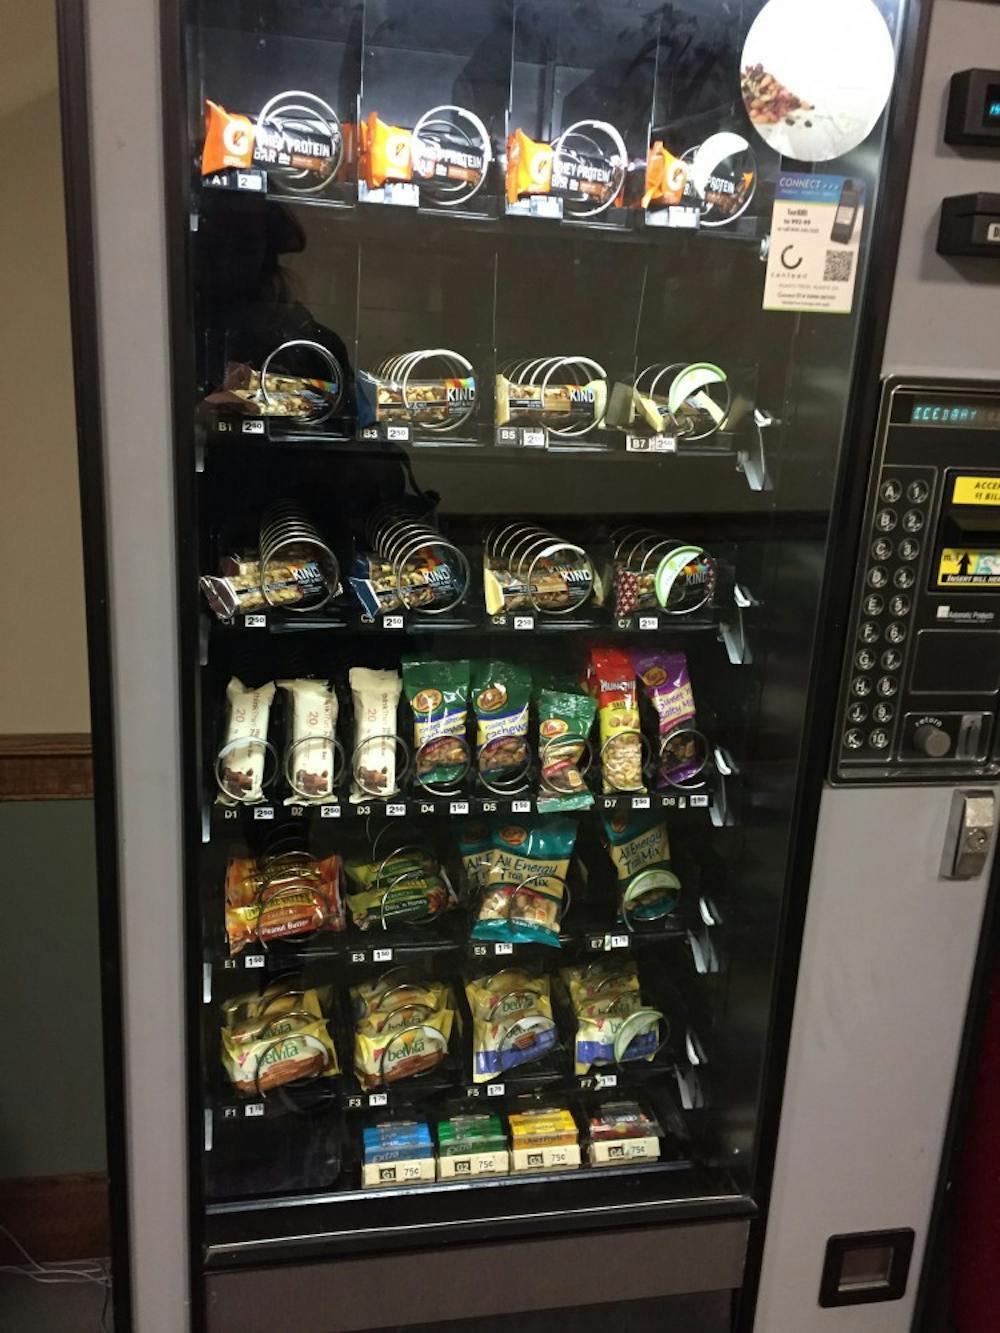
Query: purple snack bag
x: 668, y: 688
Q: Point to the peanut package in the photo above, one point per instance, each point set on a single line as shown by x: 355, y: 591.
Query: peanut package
x: 612, y: 680
x: 439, y: 699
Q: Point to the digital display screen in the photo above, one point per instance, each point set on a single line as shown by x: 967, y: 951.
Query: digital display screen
x: 972, y: 417
x: 991, y: 115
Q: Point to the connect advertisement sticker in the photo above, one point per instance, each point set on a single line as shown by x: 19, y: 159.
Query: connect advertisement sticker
x: 976, y: 491
x: 969, y: 569
x: 816, y: 229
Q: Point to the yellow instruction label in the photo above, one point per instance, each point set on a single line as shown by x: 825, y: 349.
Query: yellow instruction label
x: 976, y: 491
x: 969, y: 569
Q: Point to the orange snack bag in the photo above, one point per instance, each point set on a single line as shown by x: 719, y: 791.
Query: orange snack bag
x: 529, y: 166
x: 228, y: 140
x: 386, y: 152
x: 666, y: 177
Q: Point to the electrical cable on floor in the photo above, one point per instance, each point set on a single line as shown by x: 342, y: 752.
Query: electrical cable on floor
x: 78, y: 1272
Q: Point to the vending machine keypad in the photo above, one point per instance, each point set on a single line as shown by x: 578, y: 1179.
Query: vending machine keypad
x: 921, y: 677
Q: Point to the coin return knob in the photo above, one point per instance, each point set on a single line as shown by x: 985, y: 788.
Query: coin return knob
x: 934, y: 741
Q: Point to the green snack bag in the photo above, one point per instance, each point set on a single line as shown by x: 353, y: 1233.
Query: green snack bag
x: 500, y: 696
x: 525, y: 881
x: 439, y: 698
x: 648, y: 890
x: 564, y: 723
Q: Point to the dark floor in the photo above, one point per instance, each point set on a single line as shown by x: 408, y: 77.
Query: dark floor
x: 27, y: 1307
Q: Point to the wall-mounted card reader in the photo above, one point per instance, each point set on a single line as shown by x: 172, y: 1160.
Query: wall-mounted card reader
x: 974, y: 109
x: 970, y: 225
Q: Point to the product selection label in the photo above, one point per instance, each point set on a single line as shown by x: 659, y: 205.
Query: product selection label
x: 816, y: 230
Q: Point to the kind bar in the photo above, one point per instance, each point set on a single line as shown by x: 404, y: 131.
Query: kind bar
x: 557, y: 405
x: 433, y: 402
x: 408, y: 886
x: 668, y: 688
x: 500, y: 696
x: 243, y: 753
x: 512, y: 1023
x: 525, y: 881
x: 564, y: 724
x: 428, y: 580
x: 648, y: 889
x: 270, y: 902
x: 290, y: 581
x: 389, y: 1056
x: 313, y: 767
x: 237, y: 142
x: 287, y: 1050
x: 376, y: 696
x: 612, y: 678
x: 287, y: 395
x: 439, y: 697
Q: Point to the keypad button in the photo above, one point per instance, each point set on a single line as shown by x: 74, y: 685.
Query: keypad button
x: 904, y: 578
x: 917, y: 492
x: 882, y: 549
x: 896, y: 633
x: 877, y: 577
x: 885, y: 520
x: 854, y: 739
x: 879, y: 739
x: 883, y: 713
x: 857, y: 713
x: 891, y: 491
x: 913, y: 521
x: 869, y: 633
x: 873, y: 604
x: 865, y: 660
x: 900, y: 605
x: 892, y: 660
x: 861, y: 687
x: 887, y: 686
x: 908, y: 549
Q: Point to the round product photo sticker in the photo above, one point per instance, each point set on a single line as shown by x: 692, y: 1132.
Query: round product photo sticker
x: 816, y: 75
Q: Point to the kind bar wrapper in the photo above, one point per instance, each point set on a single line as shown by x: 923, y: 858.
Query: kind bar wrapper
x: 525, y: 881
x: 640, y: 850
x: 287, y: 395
x: 390, y: 1056
x: 289, y: 582
x: 613, y: 680
x: 439, y: 697
x: 314, y: 711
x: 376, y: 696
x: 288, y: 1050
x: 233, y: 141
x: 244, y: 747
x: 564, y: 724
x: 500, y: 697
x: 557, y: 405
x: 512, y: 1024
x: 426, y: 583
x: 668, y: 688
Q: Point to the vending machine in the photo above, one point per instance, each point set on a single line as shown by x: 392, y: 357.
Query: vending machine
x: 484, y: 469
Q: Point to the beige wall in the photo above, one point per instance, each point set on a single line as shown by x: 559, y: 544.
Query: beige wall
x: 43, y: 669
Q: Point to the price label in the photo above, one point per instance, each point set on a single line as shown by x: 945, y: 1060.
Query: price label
x: 381, y: 955
x: 502, y: 948
x: 392, y: 622
x: 520, y: 807
x: 263, y: 812
x: 545, y: 206
x: 649, y: 622
x: 255, y: 622
x: 329, y: 812
x: 533, y: 437
x: 616, y: 942
x: 254, y: 1111
x: 400, y: 433
x: 402, y: 192
x: 606, y: 1081
x: 495, y: 1089
x: 699, y: 801
x: 253, y: 428
x: 250, y: 180
x: 253, y: 960
x: 459, y: 808
x: 524, y: 622
x: 395, y: 809
x: 640, y: 802
x: 378, y: 1099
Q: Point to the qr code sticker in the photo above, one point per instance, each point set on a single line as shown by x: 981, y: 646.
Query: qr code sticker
x: 839, y: 266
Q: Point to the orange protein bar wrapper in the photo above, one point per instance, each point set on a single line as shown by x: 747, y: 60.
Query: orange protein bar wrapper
x: 529, y: 167
x: 228, y: 140
x: 386, y: 152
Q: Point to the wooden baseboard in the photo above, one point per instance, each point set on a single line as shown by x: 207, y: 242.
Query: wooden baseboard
x: 55, y: 1217
x: 46, y: 767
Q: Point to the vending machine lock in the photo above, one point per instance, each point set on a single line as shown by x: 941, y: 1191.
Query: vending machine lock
x: 970, y: 834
